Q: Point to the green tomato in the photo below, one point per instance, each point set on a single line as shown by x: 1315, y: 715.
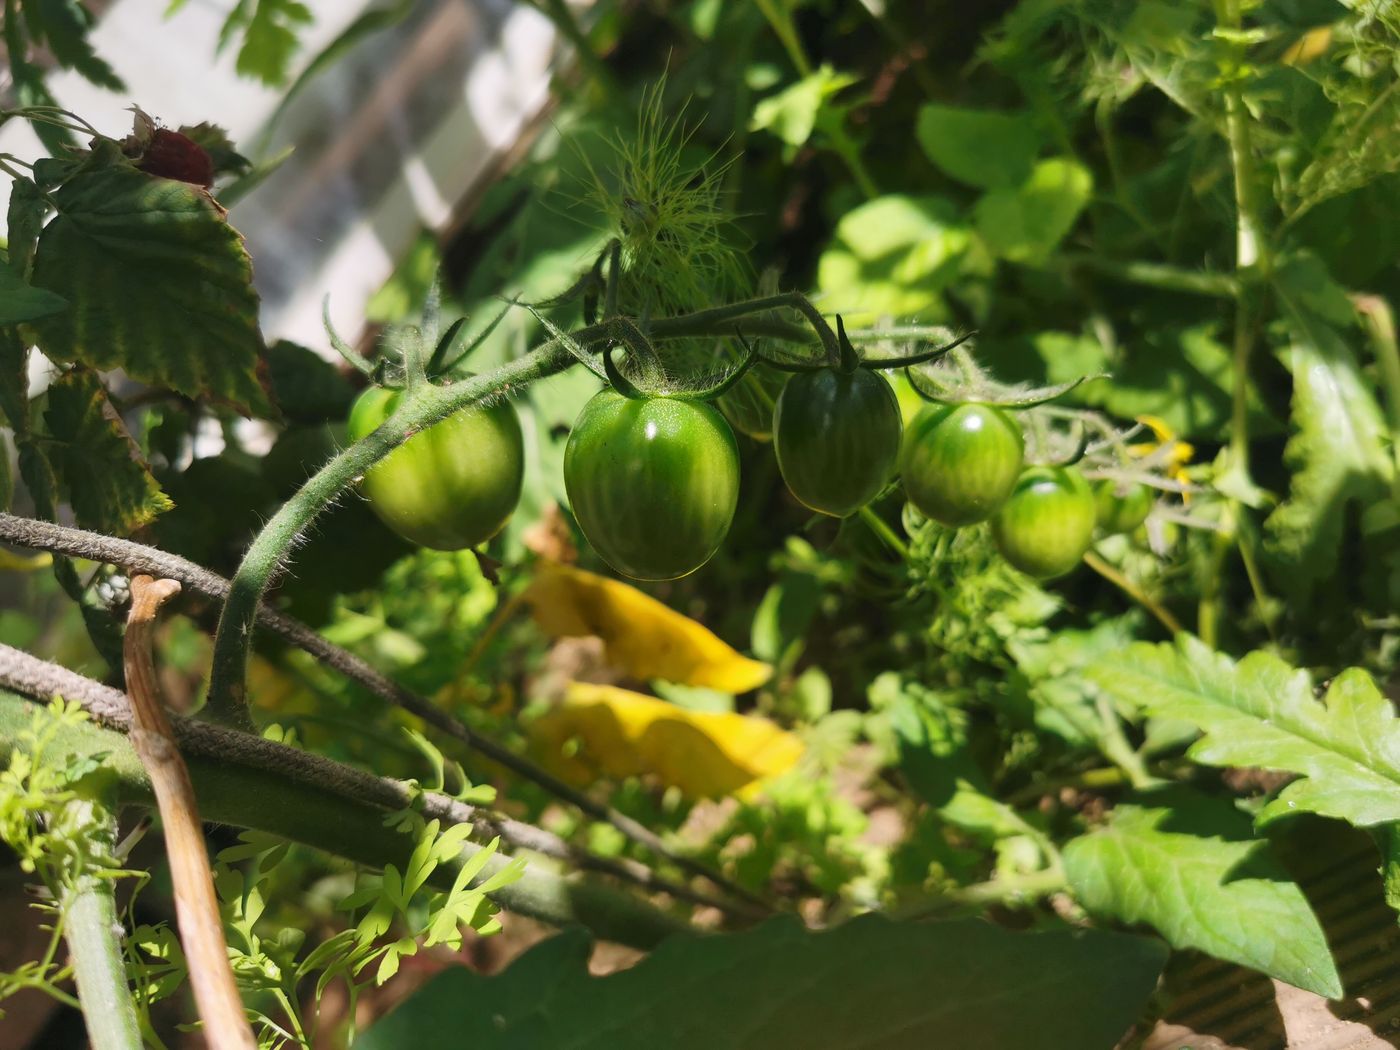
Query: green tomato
x: 451, y: 486
x: 959, y: 463
x: 837, y: 437
x: 1122, y: 511
x: 653, y: 482
x: 1047, y: 524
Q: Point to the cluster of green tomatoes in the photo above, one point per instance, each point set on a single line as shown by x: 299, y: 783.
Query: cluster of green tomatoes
x: 654, y: 479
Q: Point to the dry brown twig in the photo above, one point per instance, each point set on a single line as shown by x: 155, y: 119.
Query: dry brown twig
x: 216, y: 996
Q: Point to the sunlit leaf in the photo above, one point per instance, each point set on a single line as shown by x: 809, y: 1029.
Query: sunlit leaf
x: 644, y: 637
x: 793, y: 113
x: 1192, y: 868
x: 1024, y: 223
x: 601, y: 730
x: 1261, y: 713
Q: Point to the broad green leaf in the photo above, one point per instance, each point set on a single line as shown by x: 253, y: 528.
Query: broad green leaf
x: 1338, y: 452
x: 620, y: 734
x: 892, y: 257
x: 1024, y: 223
x: 20, y: 302
x: 866, y: 985
x: 97, y: 463
x: 1345, y: 747
x: 63, y: 26
x: 980, y: 147
x: 161, y: 286
x: 644, y: 637
x: 794, y: 112
x: 1192, y: 869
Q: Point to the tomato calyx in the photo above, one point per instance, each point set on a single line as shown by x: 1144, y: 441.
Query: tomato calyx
x: 842, y: 356
x: 704, y: 389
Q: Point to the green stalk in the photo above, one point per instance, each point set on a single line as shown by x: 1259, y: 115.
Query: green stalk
x: 1379, y: 322
x: 786, y: 32
x: 881, y: 528
x: 1158, y: 275
x: 420, y: 408
x: 93, y: 933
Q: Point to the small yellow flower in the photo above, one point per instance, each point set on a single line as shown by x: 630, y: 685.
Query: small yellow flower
x: 1176, y: 456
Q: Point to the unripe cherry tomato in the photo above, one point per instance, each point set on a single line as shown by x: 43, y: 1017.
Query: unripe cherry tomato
x: 959, y: 463
x: 451, y: 486
x: 837, y: 437
x: 653, y: 482
x: 1047, y: 524
x: 1120, y: 511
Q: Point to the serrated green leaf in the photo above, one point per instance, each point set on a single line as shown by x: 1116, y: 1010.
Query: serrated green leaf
x: 98, y: 464
x: 161, y: 286
x: 980, y: 147
x: 1337, y: 453
x: 1024, y: 223
x: 869, y: 984
x: 1262, y: 713
x: 1191, y: 868
x: 21, y: 302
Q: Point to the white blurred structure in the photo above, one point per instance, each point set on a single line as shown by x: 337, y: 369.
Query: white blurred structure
x: 387, y: 140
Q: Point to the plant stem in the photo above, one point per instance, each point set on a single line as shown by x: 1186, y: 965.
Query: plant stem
x: 564, y: 21
x: 1379, y: 321
x: 417, y: 410
x: 281, y: 800
x: 881, y: 528
x: 1133, y: 591
x: 1089, y: 779
x: 19, y: 668
x: 786, y: 32
x: 197, y: 913
x: 1010, y: 889
x: 1115, y: 747
x: 1157, y: 275
x: 93, y: 933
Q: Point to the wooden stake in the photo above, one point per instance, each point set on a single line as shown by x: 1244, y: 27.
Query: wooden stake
x: 216, y: 996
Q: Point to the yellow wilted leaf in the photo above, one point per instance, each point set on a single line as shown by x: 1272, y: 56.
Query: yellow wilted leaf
x: 643, y: 637
x: 620, y: 734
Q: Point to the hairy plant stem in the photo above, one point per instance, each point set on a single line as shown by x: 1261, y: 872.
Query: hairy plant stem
x: 43, y: 535
x: 1008, y: 890
x: 881, y: 528
x: 1157, y: 275
x: 94, y: 935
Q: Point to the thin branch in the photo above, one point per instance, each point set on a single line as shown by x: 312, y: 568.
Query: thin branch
x: 250, y: 782
x: 1132, y: 590
x: 201, y: 926
x: 135, y: 557
x: 30, y: 676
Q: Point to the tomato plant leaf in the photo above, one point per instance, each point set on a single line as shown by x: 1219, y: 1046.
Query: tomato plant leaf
x: 1024, y: 223
x: 1262, y: 713
x: 1191, y: 868
x: 980, y: 147
x: 97, y: 463
x: 1337, y: 453
x: 869, y: 984
x: 269, y: 29
x: 161, y: 286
